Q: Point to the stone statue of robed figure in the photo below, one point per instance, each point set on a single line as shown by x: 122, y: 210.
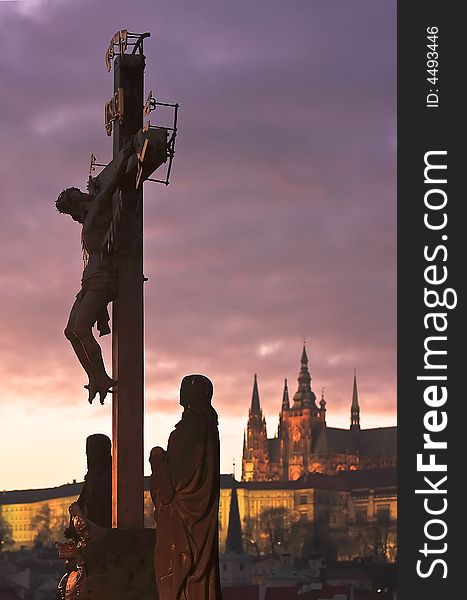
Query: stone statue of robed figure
x: 185, y: 484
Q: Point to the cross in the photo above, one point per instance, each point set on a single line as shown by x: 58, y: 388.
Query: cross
x: 124, y: 121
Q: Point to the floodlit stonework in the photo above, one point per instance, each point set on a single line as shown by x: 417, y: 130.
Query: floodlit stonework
x: 305, y: 443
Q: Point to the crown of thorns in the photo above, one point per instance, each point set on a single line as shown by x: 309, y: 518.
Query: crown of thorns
x: 64, y: 201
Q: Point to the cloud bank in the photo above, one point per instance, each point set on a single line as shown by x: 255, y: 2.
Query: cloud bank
x: 279, y: 223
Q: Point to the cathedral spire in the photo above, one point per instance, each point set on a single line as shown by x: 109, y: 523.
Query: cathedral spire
x: 322, y: 401
x: 355, y: 408
x: 304, y: 396
x: 304, y: 359
x: 255, y: 461
x: 233, y: 542
x: 322, y: 405
x: 255, y: 407
x: 285, y: 397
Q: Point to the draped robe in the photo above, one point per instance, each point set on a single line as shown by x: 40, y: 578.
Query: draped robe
x: 186, y: 484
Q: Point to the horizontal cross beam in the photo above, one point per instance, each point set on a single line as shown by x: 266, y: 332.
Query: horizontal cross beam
x: 154, y: 156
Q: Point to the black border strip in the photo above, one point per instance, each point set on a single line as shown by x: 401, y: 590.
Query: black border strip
x: 426, y: 128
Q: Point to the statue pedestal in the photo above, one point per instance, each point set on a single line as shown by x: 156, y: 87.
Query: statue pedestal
x: 119, y: 565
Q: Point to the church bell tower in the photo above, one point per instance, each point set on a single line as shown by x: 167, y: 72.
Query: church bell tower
x: 255, y: 460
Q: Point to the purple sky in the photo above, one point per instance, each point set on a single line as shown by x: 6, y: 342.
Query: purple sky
x: 279, y: 223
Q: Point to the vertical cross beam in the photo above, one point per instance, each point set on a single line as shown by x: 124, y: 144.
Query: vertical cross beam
x: 127, y: 316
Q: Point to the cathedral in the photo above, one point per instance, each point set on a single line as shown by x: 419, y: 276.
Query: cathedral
x: 305, y: 444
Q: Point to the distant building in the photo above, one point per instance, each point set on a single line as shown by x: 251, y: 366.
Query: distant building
x: 339, y: 482
x: 356, y: 511
x: 234, y: 562
x: 23, y: 577
x: 353, y: 502
x: 304, y: 442
x: 28, y: 511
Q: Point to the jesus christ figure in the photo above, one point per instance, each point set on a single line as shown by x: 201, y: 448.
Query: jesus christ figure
x: 99, y: 280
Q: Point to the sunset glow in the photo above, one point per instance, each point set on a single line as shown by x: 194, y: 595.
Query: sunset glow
x: 279, y: 223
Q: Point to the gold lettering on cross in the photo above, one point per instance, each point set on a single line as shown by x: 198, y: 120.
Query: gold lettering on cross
x: 114, y: 109
x: 119, y: 39
x: 92, y: 164
x: 141, y: 155
x: 150, y: 104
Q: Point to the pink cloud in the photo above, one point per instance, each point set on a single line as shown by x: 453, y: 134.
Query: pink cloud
x: 279, y: 222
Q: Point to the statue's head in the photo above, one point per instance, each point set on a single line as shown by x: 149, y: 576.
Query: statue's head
x: 98, y: 451
x: 196, y: 392
x: 71, y: 202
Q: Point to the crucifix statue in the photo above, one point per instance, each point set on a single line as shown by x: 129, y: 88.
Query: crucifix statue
x: 99, y: 280
x: 111, y: 215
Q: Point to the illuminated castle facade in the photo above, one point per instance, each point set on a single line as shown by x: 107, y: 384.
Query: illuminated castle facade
x: 342, y: 480
x: 305, y: 444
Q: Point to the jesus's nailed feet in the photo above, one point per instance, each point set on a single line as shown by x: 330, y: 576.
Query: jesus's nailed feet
x: 92, y: 391
x: 104, y: 388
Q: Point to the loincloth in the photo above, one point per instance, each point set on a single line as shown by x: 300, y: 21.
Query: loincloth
x: 100, y: 281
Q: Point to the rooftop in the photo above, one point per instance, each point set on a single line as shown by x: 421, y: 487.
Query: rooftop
x: 344, y: 481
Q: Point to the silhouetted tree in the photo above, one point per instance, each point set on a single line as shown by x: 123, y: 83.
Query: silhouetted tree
x: 303, y: 540
x: 49, y: 528
x: 41, y: 522
x: 250, y: 541
x: 6, y: 537
x: 378, y: 539
x: 276, y: 523
x: 269, y: 532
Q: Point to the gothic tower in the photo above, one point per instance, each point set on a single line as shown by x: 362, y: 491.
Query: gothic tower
x: 304, y: 443
x: 283, y: 433
x: 234, y: 541
x: 282, y: 430
x: 235, y: 563
x: 304, y: 397
x: 255, y: 460
x: 355, y: 408
x: 303, y: 420
x: 322, y: 405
